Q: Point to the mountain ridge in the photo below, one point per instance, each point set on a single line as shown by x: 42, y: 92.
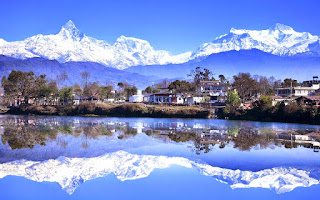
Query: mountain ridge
x: 70, y: 44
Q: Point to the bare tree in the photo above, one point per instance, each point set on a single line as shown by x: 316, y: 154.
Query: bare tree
x: 61, y: 78
x: 85, y: 77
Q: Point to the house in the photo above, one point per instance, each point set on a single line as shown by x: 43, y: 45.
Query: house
x: 79, y: 99
x: 146, y: 98
x: 309, y: 100
x: 137, y: 98
x: 309, y: 88
x: 167, y: 98
x: 109, y: 100
x: 214, y: 89
x: 194, y: 100
x: 285, y: 100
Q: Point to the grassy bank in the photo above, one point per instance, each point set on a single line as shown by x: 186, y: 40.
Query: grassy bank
x: 291, y: 113
x: 114, y: 110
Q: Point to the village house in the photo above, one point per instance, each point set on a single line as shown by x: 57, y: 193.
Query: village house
x: 138, y: 98
x: 194, y: 100
x: 309, y: 88
x: 309, y: 100
x: 167, y: 98
x: 213, y: 89
x: 285, y: 100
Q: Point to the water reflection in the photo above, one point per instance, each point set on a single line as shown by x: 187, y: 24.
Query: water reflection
x: 23, y: 132
x: 70, y: 173
x: 72, y: 150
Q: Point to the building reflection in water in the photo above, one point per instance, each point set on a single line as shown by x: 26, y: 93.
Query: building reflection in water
x: 22, y: 132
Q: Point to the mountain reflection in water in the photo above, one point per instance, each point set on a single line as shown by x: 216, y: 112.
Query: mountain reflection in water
x: 73, y: 150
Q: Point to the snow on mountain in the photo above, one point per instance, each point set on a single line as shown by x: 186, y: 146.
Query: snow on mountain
x: 279, y: 40
x: 69, y: 173
x: 72, y: 45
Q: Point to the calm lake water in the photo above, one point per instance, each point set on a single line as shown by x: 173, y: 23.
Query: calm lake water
x: 146, y: 158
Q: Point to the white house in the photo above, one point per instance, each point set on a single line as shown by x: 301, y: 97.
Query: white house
x: 214, y: 89
x: 167, y: 98
x: 194, y: 100
x: 310, y: 89
x: 137, y: 98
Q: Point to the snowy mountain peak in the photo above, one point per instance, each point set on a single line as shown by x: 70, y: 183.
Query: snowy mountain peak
x: 279, y: 40
x: 281, y: 27
x: 70, y: 44
x: 70, y: 31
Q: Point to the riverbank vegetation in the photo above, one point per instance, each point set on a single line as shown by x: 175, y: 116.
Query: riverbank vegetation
x: 262, y: 110
x: 114, y: 110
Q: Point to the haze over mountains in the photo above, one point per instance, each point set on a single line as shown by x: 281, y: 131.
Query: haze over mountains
x: 277, y: 51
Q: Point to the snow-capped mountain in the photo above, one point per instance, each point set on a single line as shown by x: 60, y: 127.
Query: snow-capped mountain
x: 72, y: 45
x: 69, y: 173
x: 279, y: 40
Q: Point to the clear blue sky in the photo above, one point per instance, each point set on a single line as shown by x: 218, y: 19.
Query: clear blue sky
x: 174, y: 25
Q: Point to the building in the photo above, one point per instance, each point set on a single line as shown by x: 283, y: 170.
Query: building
x: 213, y: 89
x: 194, y: 100
x: 308, y: 88
x: 309, y: 100
x: 138, y: 98
x: 281, y: 99
x: 167, y: 98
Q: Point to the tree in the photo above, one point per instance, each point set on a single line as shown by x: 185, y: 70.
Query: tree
x: 61, y: 78
x: 199, y: 74
x: 233, y: 98
x: 40, y: 87
x: 182, y: 86
x: 19, y: 84
x: 148, y: 90
x: 77, y: 89
x: 222, y: 79
x: 265, y: 102
x: 92, y: 90
x: 288, y: 81
x: 129, y: 91
x: 85, y: 77
x: 66, y: 94
x: 245, y: 85
x: 108, y: 91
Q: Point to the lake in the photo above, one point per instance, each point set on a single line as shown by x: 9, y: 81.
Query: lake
x: 45, y: 157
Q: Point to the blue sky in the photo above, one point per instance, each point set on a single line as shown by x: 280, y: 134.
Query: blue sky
x: 174, y: 25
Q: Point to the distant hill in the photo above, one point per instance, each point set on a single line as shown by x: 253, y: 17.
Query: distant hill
x: 300, y: 67
x: 52, y: 68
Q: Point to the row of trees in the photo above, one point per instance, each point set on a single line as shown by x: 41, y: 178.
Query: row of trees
x: 25, y: 85
x: 20, y: 86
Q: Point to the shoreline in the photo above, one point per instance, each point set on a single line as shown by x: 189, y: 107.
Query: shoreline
x: 133, y: 110
x: 112, y: 110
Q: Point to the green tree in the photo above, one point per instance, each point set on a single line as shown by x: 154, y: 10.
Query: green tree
x: 265, y: 102
x: 19, y: 84
x: 77, y: 89
x: 129, y: 91
x: 245, y: 85
x: 233, y: 98
x: 148, y: 90
x: 287, y: 83
x: 182, y: 86
x: 66, y: 94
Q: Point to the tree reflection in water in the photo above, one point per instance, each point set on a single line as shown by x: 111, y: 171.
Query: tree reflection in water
x: 21, y: 133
